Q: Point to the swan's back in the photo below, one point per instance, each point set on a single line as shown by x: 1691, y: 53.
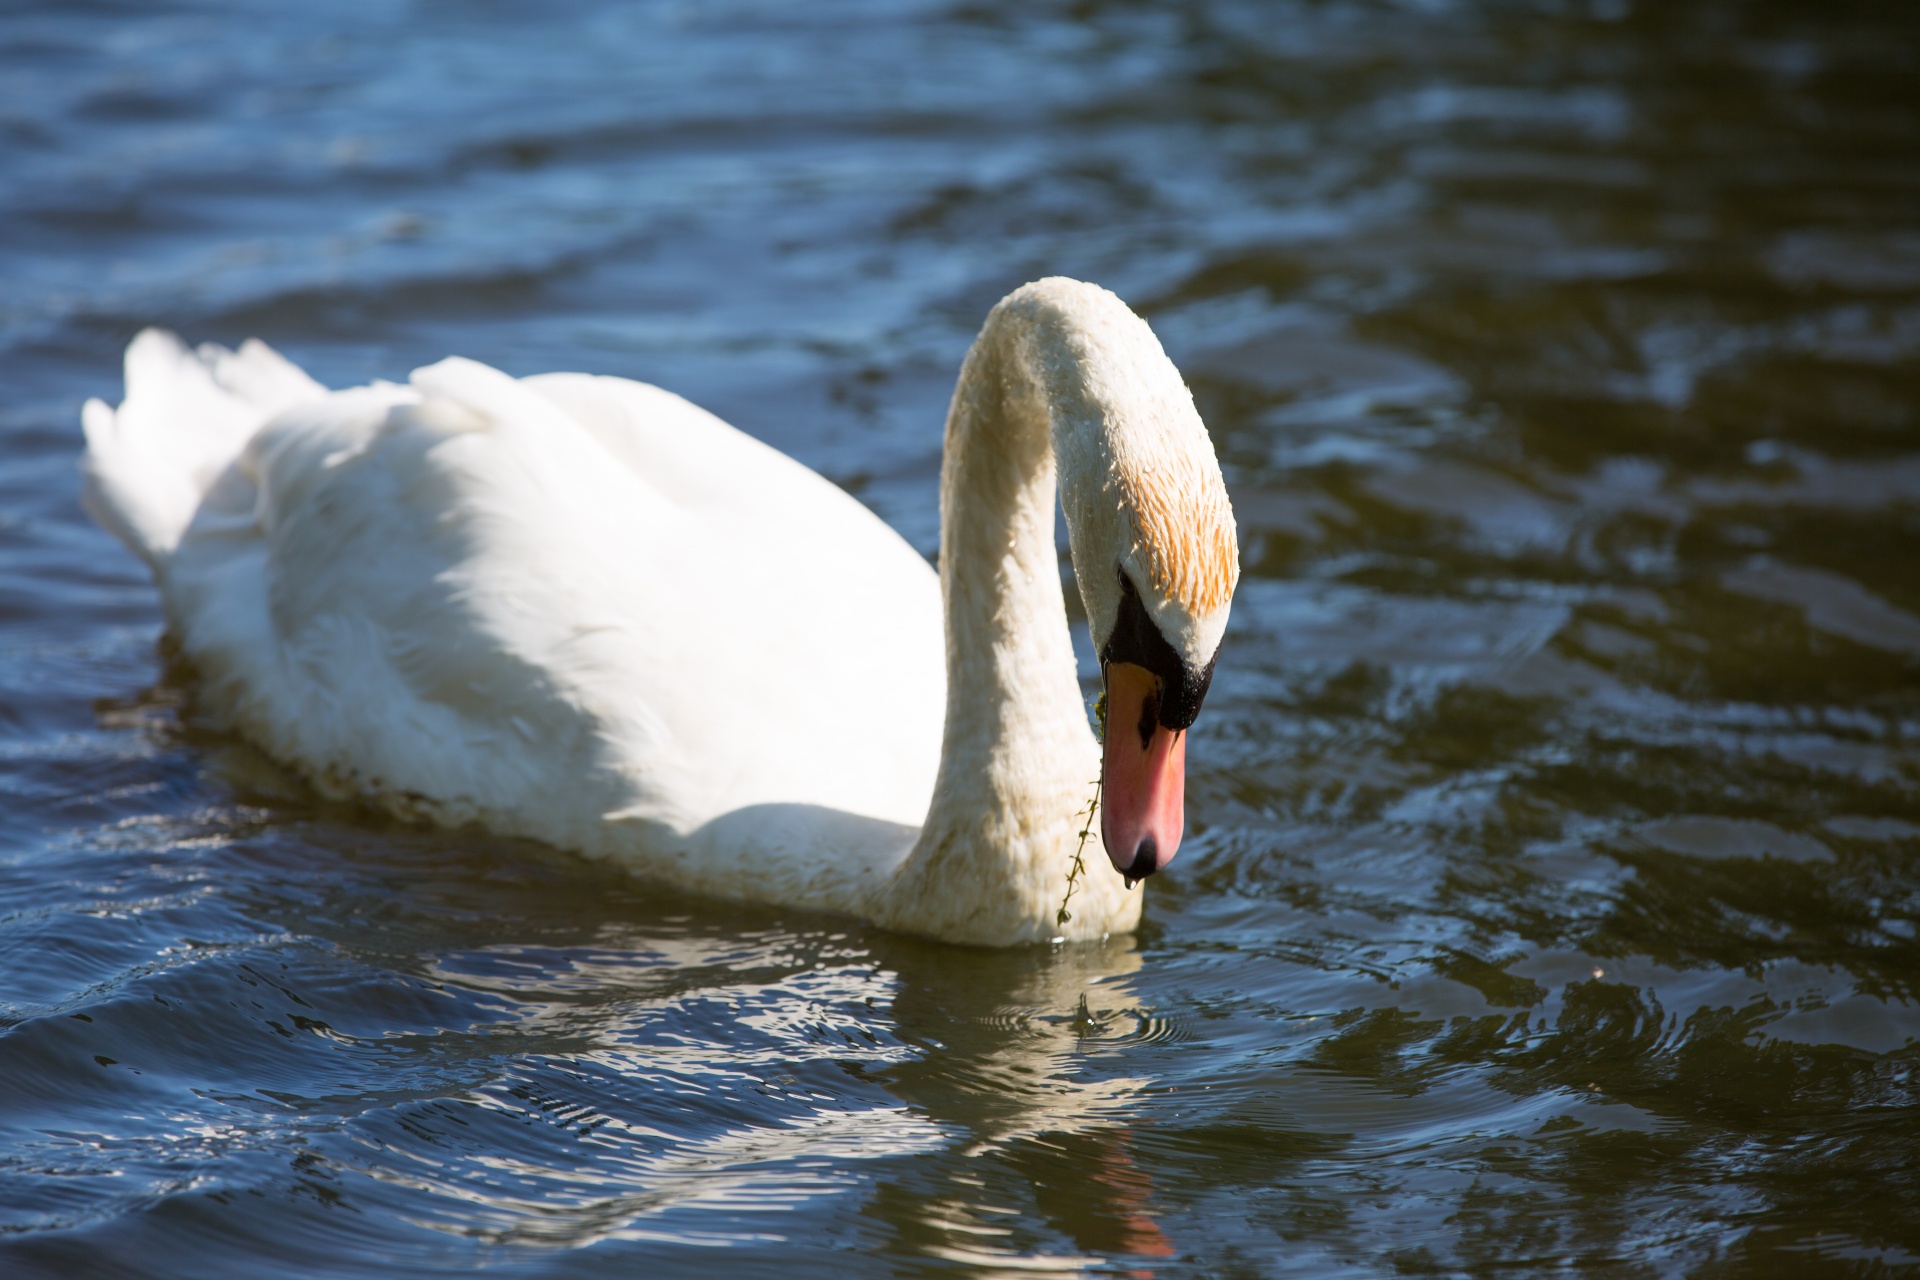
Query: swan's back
x: 570, y: 607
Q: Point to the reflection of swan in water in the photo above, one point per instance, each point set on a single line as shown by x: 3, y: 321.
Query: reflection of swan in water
x: 1018, y: 1074
x: 981, y: 1079
x: 583, y: 610
x: 1014, y: 1032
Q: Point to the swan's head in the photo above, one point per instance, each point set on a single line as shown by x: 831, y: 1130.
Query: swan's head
x: 1154, y: 549
x: 1157, y: 623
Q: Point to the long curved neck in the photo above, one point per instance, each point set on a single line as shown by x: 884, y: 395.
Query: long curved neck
x: 1013, y: 699
x: 1018, y: 760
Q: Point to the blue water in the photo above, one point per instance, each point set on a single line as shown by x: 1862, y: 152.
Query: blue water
x: 1552, y: 899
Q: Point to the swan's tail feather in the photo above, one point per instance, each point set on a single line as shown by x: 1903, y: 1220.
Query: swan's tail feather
x: 187, y: 415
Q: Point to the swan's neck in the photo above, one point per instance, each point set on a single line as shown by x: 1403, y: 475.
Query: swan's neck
x: 1013, y: 698
x: 1018, y: 760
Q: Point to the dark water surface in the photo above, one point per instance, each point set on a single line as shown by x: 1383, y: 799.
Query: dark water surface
x: 1553, y: 898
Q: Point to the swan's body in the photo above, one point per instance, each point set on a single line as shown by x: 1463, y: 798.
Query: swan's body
x: 583, y: 610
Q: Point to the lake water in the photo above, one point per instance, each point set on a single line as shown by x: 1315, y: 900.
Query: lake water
x: 1552, y: 898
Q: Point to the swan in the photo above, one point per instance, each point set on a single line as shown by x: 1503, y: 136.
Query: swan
x: 583, y: 610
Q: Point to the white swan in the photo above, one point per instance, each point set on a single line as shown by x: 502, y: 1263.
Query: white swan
x: 581, y: 609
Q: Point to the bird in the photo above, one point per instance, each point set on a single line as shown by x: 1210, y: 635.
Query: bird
x: 581, y: 609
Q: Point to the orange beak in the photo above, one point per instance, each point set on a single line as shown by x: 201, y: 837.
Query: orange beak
x: 1143, y: 775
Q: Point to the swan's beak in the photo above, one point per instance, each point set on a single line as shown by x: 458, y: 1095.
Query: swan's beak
x: 1143, y: 775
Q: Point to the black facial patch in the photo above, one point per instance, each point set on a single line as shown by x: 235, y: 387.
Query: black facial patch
x: 1135, y: 639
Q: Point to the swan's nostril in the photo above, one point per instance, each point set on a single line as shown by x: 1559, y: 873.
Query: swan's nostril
x: 1146, y: 860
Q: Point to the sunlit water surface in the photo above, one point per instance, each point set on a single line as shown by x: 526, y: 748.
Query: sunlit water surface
x: 1551, y: 898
